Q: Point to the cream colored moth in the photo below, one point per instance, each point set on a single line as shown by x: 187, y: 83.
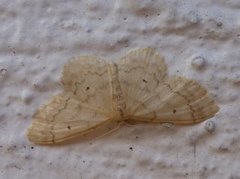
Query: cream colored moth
x: 102, y: 95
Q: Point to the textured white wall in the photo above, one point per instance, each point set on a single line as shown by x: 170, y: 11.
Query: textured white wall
x: 38, y: 37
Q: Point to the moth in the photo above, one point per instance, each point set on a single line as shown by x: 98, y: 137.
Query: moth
x: 101, y: 95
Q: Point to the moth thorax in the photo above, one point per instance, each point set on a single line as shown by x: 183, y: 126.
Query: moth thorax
x: 118, y: 101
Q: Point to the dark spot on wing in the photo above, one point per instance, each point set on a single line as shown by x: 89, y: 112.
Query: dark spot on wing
x: 174, y: 111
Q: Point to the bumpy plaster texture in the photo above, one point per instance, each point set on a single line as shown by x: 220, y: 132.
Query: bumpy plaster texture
x: 199, y: 39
